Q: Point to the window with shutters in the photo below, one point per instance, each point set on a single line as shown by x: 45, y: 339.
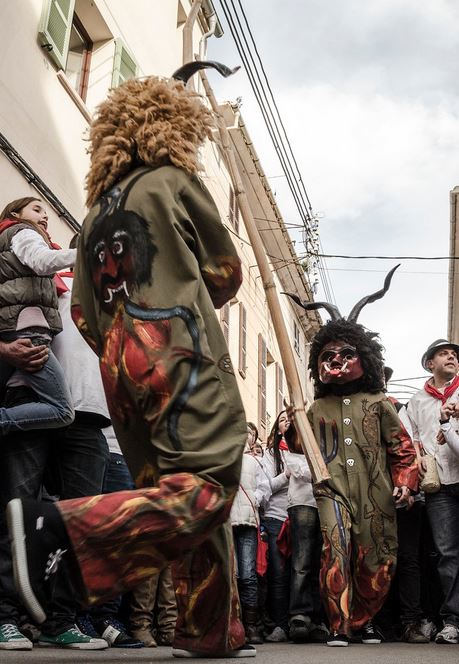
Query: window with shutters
x: 233, y: 210
x: 65, y: 33
x: 124, y: 65
x: 279, y: 388
x: 262, y: 364
x: 79, y: 58
x: 224, y: 321
x: 242, y: 340
x: 55, y: 28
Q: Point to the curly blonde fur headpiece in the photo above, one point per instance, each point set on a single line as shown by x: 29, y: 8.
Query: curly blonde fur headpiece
x: 153, y: 122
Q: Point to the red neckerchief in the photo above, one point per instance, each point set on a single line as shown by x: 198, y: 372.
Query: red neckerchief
x: 60, y: 284
x: 449, y: 390
x: 7, y: 223
x: 283, y: 445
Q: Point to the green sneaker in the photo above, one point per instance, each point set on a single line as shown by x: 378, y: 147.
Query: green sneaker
x: 12, y: 639
x: 72, y: 638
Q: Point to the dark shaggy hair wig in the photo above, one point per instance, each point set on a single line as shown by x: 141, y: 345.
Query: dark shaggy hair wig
x: 367, y: 345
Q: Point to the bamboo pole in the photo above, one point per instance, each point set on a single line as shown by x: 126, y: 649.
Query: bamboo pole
x: 308, y: 442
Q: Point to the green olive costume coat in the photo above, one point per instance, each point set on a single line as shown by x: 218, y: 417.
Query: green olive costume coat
x: 153, y: 261
x: 367, y: 452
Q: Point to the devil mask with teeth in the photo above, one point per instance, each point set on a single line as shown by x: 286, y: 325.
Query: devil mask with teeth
x: 345, y: 357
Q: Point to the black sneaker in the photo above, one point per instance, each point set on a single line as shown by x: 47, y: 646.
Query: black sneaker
x: 114, y: 632
x: 319, y: 633
x: 299, y: 629
x: 38, y: 542
x: 412, y: 633
x: 86, y: 626
x: 369, y: 635
x: 337, y: 640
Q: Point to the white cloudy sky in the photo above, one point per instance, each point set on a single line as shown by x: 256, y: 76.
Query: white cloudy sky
x: 368, y: 91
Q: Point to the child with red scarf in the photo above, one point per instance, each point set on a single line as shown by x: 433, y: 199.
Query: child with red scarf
x: 29, y: 310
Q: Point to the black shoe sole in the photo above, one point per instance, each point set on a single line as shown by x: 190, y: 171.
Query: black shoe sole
x: 15, y: 518
x: 239, y: 653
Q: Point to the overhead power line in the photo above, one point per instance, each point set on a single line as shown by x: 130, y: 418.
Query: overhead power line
x: 395, y: 258
x: 251, y: 59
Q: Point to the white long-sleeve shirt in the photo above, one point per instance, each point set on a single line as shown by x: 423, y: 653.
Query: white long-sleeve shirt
x: 31, y: 249
x: 275, y: 491
x: 244, y: 511
x: 451, y: 437
x: 79, y: 363
x: 300, y: 483
x: 424, y: 413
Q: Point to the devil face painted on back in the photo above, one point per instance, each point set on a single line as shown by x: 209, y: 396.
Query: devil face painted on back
x: 120, y: 253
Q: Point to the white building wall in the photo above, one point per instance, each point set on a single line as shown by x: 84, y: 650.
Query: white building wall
x: 47, y: 127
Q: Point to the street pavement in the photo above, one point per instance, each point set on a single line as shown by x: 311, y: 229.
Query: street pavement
x: 282, y: 653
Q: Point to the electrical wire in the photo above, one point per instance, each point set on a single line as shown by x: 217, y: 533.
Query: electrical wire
x: 394, y: 258
x: 261, y: 88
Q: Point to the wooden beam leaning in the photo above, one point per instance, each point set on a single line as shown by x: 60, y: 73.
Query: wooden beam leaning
x: 306, y: 435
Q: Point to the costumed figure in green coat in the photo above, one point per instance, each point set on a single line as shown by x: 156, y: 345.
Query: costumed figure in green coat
x: 154, y: 261
x: 372, y: 466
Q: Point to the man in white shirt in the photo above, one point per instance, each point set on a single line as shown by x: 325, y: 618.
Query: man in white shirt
x: 441, y: 359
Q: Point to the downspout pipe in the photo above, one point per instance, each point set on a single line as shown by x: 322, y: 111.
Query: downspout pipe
x: 212, y: 20
x: 188, y: 54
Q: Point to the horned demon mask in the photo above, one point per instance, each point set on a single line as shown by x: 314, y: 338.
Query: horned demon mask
x: 343, y: 353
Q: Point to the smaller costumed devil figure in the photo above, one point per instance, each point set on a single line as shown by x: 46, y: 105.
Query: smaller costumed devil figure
x: 372, y: 466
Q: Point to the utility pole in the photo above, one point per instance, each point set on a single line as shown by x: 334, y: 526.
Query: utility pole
x: 308, y: 442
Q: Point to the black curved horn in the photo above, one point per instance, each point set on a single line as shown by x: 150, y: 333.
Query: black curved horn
x: 187, y: 70
x: 352, y: 318
x: 312, y: 306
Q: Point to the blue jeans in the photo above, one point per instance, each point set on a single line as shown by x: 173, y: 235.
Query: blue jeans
x: 53, y: 407
x: 80, y: 458
x: 278, y: 576
x: 443, y: 512
x: 117, y: 475
x: 305, y: 565
x: 117, y: 478
x: 245, y: 545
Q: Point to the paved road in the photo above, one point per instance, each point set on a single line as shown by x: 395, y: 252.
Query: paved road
x: 282, y: 653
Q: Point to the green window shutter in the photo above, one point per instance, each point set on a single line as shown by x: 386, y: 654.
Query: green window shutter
x: 55, y: 27
x: 124, y: 64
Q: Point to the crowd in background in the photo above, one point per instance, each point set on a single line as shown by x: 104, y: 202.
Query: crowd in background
x: 62, y: 446
x: 284, y: 604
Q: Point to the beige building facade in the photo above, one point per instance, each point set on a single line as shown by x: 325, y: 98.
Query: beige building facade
x: 59, y: 58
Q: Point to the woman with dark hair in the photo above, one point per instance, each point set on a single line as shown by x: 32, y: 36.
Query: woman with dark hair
x: 274, y: 514
x: 245, y: 521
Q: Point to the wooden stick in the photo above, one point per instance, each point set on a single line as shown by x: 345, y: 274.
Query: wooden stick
x: 308, y: 442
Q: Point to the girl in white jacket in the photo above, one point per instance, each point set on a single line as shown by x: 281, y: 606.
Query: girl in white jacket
x: 245, y: 521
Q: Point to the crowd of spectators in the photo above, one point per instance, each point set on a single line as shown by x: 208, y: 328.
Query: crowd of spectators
x: 58, y: 443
